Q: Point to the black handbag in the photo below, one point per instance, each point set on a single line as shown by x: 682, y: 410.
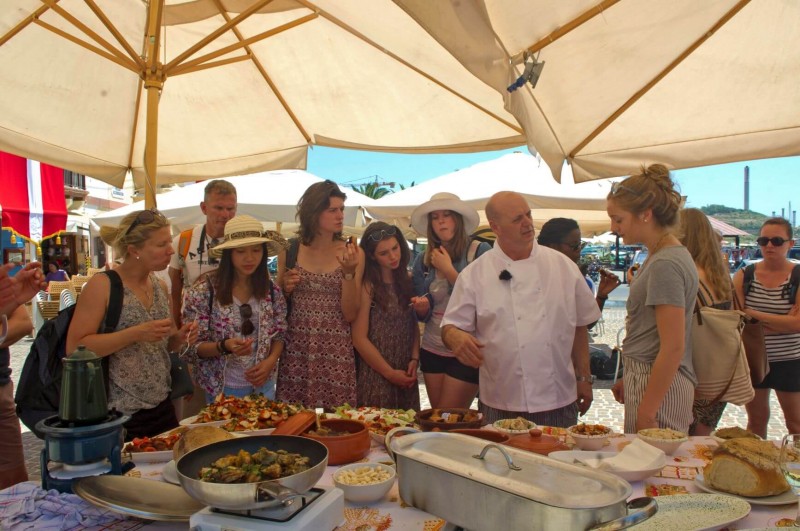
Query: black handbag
x: 182, y: 384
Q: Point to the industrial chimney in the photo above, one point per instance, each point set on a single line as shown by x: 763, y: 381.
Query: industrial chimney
x: 747, y: 187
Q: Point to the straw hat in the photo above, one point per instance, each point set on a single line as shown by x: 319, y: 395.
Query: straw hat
x: 244, y: 230
x: 444, y: 201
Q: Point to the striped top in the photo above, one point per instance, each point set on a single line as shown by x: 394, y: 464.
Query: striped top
x: 780, y: 347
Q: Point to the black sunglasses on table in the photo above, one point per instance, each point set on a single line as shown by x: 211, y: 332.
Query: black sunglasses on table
x: 777, y: 241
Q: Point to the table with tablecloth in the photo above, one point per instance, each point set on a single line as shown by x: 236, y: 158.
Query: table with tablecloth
x: 391, y: 513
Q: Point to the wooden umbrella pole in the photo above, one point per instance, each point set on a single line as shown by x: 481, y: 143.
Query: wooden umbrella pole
x: 153, y: 83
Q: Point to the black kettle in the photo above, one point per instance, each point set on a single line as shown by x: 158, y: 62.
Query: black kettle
x: 83, y: 389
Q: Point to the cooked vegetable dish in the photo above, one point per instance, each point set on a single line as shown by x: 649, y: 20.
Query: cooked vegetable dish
x: 263, y: 465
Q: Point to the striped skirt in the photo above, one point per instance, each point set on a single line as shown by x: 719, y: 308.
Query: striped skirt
x: 676, y: 409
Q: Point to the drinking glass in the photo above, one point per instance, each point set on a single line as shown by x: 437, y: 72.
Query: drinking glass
x: 790, y: 465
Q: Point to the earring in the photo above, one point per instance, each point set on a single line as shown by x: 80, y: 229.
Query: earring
x: 138, y: 257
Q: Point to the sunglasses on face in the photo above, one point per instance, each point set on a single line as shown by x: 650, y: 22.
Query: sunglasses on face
x: 383, y: 233
x: 145, y: 217
x: 777, y: 241
x: 246, y: 312
x: 618, y: 187
x: 577, y: 246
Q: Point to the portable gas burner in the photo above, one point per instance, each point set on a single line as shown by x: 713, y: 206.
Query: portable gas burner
x: 318, y: 509
x: 73, y: 451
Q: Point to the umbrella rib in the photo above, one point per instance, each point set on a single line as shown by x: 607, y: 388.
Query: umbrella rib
x: 120, y: 60
x: 216, y: 33
x: 24, y: 24
x: 123, y: 59
x: 330, y: 18
x: 678, y: 60
x: 115, y: 32
x: 563, y: 30
x: 212, y: 64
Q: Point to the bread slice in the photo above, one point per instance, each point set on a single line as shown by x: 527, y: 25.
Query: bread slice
x: 747, y: 467
x: 197, y: 437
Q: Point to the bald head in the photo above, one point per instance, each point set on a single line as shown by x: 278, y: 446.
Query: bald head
x: 510, y: 218
x: 498, y: 202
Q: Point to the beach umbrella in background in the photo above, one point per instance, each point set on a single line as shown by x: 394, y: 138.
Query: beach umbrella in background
x: 621, y: 84
x: 182, y: 90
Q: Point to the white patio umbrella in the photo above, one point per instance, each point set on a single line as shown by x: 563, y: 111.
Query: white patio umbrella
x: 518, y: 172
x: 180, y: 90
x: 681, y: 82
x: 268, y: 196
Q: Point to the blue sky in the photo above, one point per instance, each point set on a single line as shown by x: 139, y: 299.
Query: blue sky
x: 773, y: 182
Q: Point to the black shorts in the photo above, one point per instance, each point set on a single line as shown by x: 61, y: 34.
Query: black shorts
x: 436, y: 364
x: 782, y: 376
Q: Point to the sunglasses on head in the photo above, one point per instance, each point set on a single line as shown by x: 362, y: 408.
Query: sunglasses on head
x: 143, y: 218
x: 618, y: 187
x: 383, y: 233
x: 246, y: 312
x: 777, y: 241
x: 575, y: 246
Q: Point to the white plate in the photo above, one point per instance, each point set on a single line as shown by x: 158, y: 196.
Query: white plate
x: 190, y: 422
x: 170, y: 473
x: 249, y: 433
x: 687, y: 512
x: 779, y: 499
x: 151, y: 457
x: 627, y: 475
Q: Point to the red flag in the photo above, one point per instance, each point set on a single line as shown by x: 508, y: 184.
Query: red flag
x: 32, y: 197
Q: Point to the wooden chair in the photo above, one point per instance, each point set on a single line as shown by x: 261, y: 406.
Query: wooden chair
x: 92, y: 270
x: 55, y: 287
x: 48, y: 309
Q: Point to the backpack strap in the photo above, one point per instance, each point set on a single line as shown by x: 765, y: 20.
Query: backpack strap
x: 702, y: 297
x: 115, y: 296
x: 794, y: 283
x: 291, y: 253
x: 749, y: 275
x: 472, y: 250
x: 183, y: 243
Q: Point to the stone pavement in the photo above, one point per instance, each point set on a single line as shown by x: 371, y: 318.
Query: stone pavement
x: 605, y: 410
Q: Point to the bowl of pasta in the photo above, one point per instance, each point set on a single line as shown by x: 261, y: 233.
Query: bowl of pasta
x: 365, y: 482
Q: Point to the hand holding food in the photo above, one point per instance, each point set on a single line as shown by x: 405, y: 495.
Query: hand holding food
x: 291, y: 278
x: 153, y: 331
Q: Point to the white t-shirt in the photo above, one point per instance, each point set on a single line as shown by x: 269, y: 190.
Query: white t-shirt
x: 527, y: 325
x: 197, y: 260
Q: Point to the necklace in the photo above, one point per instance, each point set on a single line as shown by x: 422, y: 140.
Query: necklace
x: 147, y: 302
x: 657, y: 246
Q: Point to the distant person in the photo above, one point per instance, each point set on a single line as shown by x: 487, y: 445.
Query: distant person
x: 192, y: 258
x: 55, y: 273
x: 321, y: 274
x: 385, y: 333
x: 714, y: 290
x: 519, y: 314
x: 564, y: 235
x: 769, y: 300
x: 447, y: 221
x: 240, y: 315
x: 658, y: 386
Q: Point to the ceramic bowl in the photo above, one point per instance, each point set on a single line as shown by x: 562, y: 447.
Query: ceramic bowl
x: 586, y: 441
x: 425, y: 422
x: 486, y: 435
x: 721, y: 440
x: 368, y: 493
x: 663, y: 438
x: 501, y: 426
x: 343, y: 448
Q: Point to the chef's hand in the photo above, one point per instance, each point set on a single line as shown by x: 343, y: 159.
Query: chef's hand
x: 585, y: 397
x: 465, y: 347
x: 618, y: 391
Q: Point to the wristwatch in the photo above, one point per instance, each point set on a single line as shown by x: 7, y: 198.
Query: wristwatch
x: 349, y: 276
x: 589, y: 378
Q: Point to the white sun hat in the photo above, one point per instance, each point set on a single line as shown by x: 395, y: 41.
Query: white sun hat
x: 444, y: 201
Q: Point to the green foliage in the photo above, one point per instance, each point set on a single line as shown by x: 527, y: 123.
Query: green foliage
x: 373, y: 190
x: 403, y: 187
x: 746, y: 220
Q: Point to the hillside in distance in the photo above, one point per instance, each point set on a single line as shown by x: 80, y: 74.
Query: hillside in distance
x: 746, y: 220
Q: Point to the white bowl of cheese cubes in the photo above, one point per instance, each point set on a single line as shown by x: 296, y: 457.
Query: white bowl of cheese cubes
x: 365, y: 482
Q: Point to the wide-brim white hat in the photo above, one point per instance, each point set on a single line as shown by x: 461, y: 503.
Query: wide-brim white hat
x: 444, y: 201
x: 244, y: 230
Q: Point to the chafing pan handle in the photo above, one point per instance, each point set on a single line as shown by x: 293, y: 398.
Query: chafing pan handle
x: 391, y: 435
x: 274, y: 491
x: 639, y: 510
x: 488, y: 447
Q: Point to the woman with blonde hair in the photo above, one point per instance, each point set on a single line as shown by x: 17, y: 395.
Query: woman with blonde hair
x: 658, y: 386
x: 138, y: 349
x: 714, y: 290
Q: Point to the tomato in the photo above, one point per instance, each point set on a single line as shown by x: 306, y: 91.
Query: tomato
x: 149, y: 449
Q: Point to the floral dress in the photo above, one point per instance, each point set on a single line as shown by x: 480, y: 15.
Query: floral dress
x: 318, y: 368
x: 392, y: 331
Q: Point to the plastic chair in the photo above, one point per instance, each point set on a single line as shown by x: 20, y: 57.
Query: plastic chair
x: 55, y: 287
x: 92, y: 270
x: 78, y: 281
x: 67, y: 299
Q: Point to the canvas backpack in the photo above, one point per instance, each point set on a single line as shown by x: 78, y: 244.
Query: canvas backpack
x: 39, y: 388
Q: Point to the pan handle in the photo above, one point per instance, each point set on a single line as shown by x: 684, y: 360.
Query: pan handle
x: 391, y: 434
x: 488, y: 447
x: 268, y: 491
x: 639, y: 510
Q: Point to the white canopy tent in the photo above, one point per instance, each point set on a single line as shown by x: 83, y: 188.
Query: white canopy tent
x: 519, y: 172
x: 268, y: 196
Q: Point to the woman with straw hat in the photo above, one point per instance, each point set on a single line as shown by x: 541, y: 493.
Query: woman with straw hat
x: 447, y: 221
x: 240, y: 313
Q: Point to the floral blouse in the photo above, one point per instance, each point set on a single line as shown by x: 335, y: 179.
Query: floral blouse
x: 216, y: 322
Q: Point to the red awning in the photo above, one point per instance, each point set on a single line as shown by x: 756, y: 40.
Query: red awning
x: 725, y: 229
x: 32, y: 197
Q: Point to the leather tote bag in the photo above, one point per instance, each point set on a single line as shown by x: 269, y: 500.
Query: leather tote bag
x: 754, y: 346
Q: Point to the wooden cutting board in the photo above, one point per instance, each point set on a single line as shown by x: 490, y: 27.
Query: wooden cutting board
x: 296, y: 424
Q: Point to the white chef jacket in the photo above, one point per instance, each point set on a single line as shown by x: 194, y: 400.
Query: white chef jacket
x: 526, y: 324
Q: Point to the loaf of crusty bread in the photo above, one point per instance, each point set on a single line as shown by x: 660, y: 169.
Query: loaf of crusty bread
x: 747, y: 467
x: 197, y: 437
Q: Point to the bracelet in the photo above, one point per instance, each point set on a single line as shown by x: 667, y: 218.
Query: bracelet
x: 223, y: 351
x: 602, y: 297
x: 589, y: 378
x: 414, y: 359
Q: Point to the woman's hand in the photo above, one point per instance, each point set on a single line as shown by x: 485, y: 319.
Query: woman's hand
x: 440, y: 259
x: 188, y: 333
x: 421, y: 305
x: 291, y: 278
x: 258, y: 374
x: 400, y: 378
x: 349, y: 259
x: 608, y: 283
x: 413, y: 365
x: 618, y: 390
x: 644, y: 421
x: 154, y: 331
x: 239, y: 347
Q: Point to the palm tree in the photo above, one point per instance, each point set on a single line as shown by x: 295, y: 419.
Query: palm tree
x: 373, y: 190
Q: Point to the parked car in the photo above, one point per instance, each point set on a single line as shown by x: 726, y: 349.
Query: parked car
x: 793, y: 256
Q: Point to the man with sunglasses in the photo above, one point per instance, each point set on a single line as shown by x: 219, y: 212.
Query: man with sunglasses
x: 520, y: 313
x: 192, y: 259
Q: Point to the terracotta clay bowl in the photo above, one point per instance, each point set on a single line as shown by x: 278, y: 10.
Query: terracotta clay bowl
x: 347, y: 448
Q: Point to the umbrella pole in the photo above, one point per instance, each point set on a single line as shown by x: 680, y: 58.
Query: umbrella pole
x: 151, y: 145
